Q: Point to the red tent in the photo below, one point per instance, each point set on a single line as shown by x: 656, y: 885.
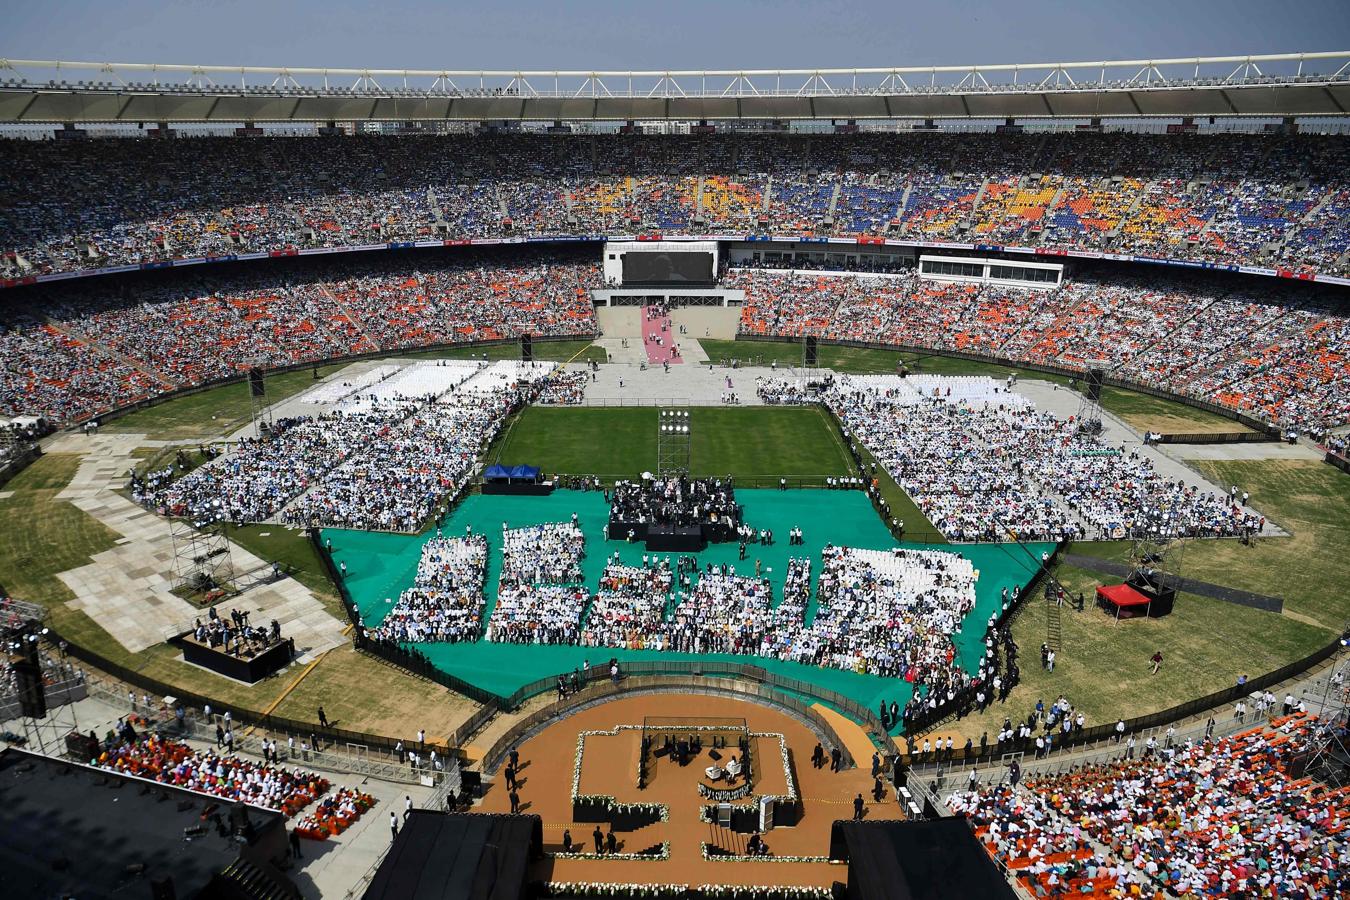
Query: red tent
x: 1123, y: 601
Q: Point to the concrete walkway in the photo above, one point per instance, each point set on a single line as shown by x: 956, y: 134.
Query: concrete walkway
x: 128, y: 589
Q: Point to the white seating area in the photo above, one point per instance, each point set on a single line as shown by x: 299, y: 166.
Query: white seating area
x: 888, y: 612
x: 445, y: 602
x: 418, y: 381
x: 340, y: 389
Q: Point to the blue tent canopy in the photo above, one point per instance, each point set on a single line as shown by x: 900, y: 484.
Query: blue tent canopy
x: 497, y: 473
x: 524, y: 473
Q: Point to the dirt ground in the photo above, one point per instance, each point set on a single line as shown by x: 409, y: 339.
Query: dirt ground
x: 610, y: 765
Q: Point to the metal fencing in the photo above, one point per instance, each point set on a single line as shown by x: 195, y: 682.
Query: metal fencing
x: 1152, y: 723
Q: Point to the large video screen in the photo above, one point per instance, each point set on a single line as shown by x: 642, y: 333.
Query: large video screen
x: 667, y: 268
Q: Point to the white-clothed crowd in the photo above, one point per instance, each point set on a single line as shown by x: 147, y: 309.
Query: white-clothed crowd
x: 445, y: 602
x: 983, y: 463
x: 540, y: 599
x: 385, y: 460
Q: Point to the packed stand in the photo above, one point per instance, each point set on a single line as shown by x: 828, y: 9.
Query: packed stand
x: 1228, y: 818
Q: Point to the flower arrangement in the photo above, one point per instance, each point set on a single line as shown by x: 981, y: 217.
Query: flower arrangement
x: 662, y: 853
x: 604, y: 889
x: 724, y: 856
x: 766, y: 892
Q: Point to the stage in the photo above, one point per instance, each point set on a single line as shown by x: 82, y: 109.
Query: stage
x: 248, y: 669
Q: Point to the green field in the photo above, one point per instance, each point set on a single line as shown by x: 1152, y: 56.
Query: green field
x: 215, y: 412
x: 748, y: 443
x: 226, y: 409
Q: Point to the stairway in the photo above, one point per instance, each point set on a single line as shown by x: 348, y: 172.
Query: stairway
x: 834, y: 204
x: 1053, y: 631
x: 904, y: 203
x: 324, y: 289
x: 698, y: 200
x: 253, y: 881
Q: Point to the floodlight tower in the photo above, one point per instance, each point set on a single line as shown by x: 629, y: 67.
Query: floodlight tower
x: 673, y: 439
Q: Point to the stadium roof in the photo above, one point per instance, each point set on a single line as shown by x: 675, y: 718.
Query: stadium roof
x: 1273, y: 85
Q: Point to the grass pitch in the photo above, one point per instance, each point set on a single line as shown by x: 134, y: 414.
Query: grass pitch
x: 754, y: 443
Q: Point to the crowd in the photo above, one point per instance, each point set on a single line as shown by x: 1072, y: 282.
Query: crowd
x: 1278, y: 353
x: 75, y: 205
x: 539, y: 597
x: 227, y: 776
x: 630, y: 608
x: 893, y: 613
x: 673, y: 501
x: 82, y: 349
x: 1226, y: 818
x: 982, y: 462
x: 445, y: 602
x: 384, y: 458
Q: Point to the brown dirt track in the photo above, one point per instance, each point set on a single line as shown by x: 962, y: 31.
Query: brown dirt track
x: 609, y: 765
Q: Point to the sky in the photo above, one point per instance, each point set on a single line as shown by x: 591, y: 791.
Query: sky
x: 686, y: 34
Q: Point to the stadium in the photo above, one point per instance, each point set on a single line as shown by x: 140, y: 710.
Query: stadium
x: 813, y: 483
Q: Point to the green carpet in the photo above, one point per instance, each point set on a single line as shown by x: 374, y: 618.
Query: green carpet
x: 379, y: 566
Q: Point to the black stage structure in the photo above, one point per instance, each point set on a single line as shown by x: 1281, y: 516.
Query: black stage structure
x: 249, y: 669
x: 76, y: 831
x: 458, y: 856
x: 938, y: 859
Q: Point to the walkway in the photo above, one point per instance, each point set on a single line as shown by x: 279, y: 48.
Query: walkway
x: 128, y: 589
x: 658, y: 337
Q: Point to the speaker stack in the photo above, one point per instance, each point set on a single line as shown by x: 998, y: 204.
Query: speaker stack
x: 811, y: 352
x: 28, y: 677
x: 1095, y: 377
x: 255, y: 382
x: 526, y: 348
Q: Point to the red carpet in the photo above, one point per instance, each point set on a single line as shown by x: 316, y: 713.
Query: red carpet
x: 657, y: 325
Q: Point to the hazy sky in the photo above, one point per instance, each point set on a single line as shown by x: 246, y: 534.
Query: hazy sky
x: 697, y: 34
x: 685, y: 34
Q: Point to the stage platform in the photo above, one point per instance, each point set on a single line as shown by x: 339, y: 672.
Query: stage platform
x: 248, y: 669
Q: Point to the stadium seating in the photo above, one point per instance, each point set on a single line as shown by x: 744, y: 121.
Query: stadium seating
x: 1279, y: 200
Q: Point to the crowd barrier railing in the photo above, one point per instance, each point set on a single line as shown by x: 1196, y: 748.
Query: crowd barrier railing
x: 1139, y: 724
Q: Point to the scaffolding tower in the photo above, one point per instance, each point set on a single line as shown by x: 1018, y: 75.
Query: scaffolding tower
x: 260, y: 411
x: 672, y: 442
x: 201, y: 556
